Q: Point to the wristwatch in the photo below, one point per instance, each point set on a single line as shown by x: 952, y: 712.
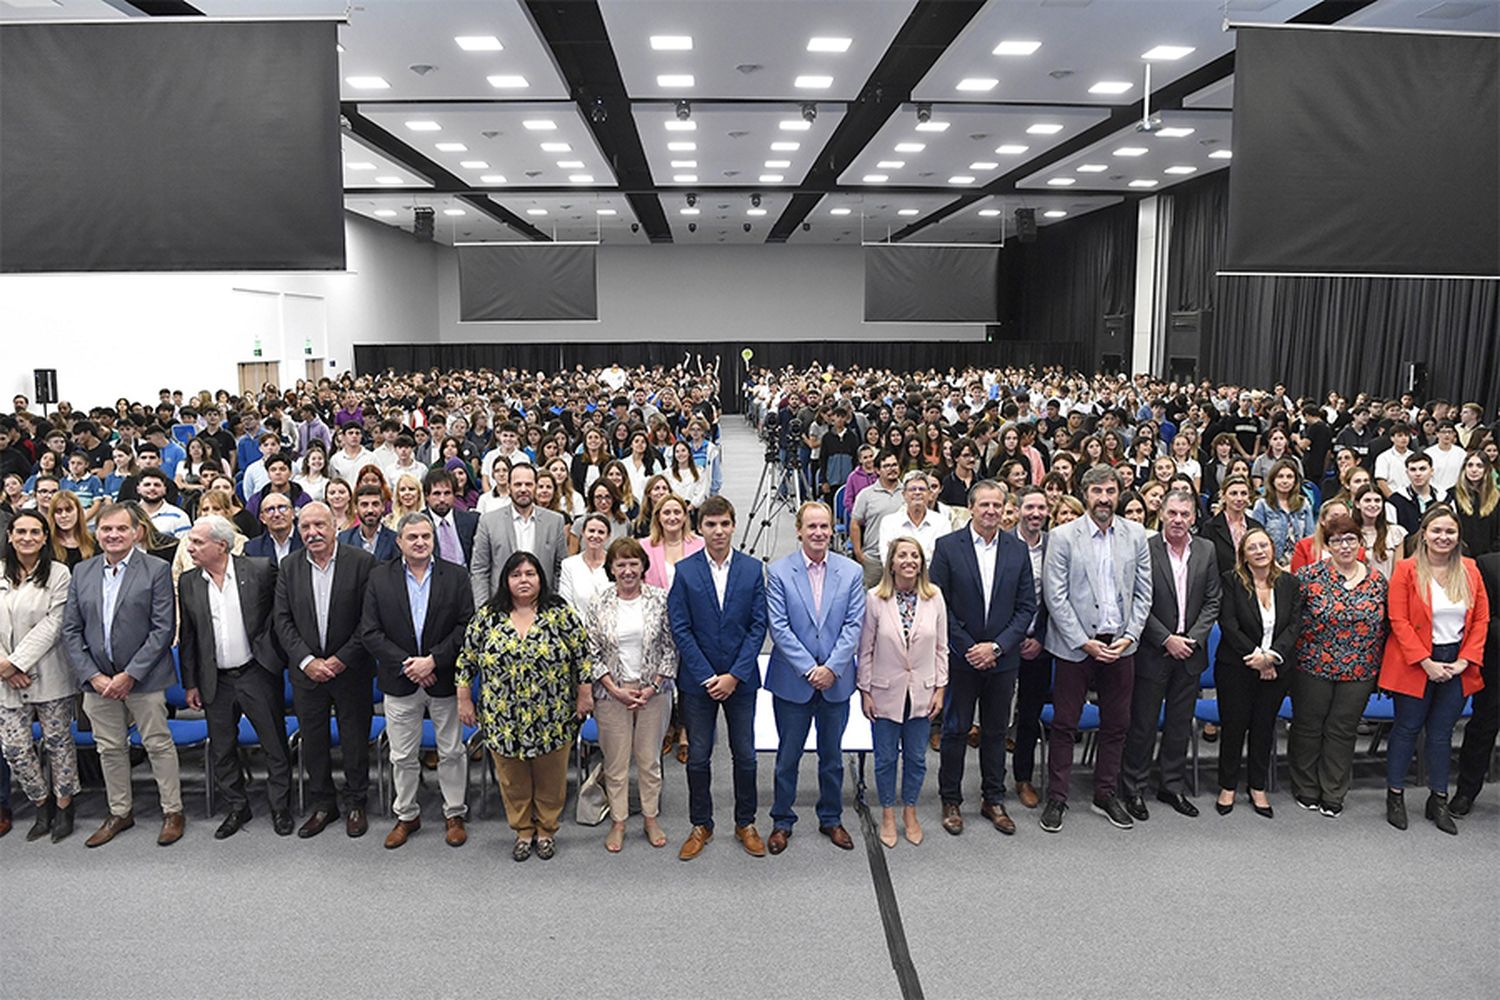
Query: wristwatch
x: 997, y: 649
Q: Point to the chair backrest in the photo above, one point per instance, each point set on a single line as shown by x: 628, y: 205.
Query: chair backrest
x: 175, y: 694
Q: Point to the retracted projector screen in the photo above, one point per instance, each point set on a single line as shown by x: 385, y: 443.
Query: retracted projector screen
x: 513, y: 282
x: 192, y: 145
x: 1363, y: 152
x: 932, y: 284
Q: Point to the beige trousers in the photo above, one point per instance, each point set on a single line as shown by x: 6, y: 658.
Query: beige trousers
x: 624, y: 734
x: 534, y: 791
x: 111, y: 723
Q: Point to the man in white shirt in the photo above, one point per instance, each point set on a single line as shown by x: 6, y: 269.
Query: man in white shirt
x: 347, y: 461
x: 167, y: 519
x: 256, y: 477
x: 1390, y: 465
x: 1447, y: 457
x: 508, y: 446
x: 385, y: 447
x: 404, y: 464
x: 916, y: 520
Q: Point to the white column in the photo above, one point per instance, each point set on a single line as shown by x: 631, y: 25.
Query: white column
x: 1149, y: 323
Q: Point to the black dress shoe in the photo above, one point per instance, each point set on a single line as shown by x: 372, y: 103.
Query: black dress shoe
x: 1179, y: 802
x: 1136, y: 806
x: 1461, y: 804
x: 62, y: 823
x: 316, y: 823
x: 281, y: 822
x: 42, y: 825
x: 232, y: 823
x: 1395, y: 809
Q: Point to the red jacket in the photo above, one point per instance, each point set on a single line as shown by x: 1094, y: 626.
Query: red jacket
x: 1410, y: 639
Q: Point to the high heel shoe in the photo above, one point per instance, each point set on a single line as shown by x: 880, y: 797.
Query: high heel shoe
x: 1262, y: 810
x: 62, y: 822
x: 1395, y: 808
x: 42, y: 825
x: 1224, y: 809
x: 1437, y: 811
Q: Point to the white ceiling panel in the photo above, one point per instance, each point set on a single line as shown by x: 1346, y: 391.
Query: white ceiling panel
x: 58, y: 10
x: 501, y: 141
x: 870, y: 217
x: 721, y: 217
x: 367, y: 167
x: 750, y: 48
x: 1166, y: 159
x: 1218, y: 95
x: 566, y: 218
x: 1430, y: 15
x: 989, y: 220
x: 1081, y: 43
x: 733, y: 143
x: 969, y: 147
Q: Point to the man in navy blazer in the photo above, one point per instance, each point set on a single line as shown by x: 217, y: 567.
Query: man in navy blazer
x: 455, y: 528
x: 280, y: 539
x: 985, y: 576
x: 717, y: 607
x: 370, y: 534
x: 815, y: 606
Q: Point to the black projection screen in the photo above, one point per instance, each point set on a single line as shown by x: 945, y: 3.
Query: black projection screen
x: 193, y: 145
x: 517, y: 282
x: 944, y: 283
x: 1358, y: 152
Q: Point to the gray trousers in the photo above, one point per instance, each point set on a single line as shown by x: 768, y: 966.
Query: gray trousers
x: 1325, y: 723
x: 1159, y: 679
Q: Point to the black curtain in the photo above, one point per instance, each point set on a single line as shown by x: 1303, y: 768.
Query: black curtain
x: 1055, y: 293
x: 1317, y: 334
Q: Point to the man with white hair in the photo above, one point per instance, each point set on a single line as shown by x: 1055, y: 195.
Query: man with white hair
x: 232, y: 666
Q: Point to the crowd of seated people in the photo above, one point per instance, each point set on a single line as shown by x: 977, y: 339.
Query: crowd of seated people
x: 507, y: 553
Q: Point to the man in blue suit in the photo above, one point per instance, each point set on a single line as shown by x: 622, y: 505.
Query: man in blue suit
x: 815, y: 604
x: 986, y: 580
x: 370, y: 534
x: 717, y: 607
x: 455, y: 528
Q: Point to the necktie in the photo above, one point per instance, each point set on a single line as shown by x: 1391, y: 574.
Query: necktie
x: 448, y: 546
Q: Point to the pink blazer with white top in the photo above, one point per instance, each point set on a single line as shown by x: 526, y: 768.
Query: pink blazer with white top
x: 891, y: 668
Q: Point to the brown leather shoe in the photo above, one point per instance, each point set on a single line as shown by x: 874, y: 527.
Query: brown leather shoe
x: 357, y: 823
x: 112, y: 828
x: 696, y: 841
x: 1027, y: 793
x: 172, y: 825
x: 935, y: 740
x: 749, y: 837
x: 839, y: 836
x: 777, y: 841
x: 455, y: 835
x: 997, y: 815
x: 403, y: 829
x: 973, y: 736
x: 316, y: 823
x: 953, y: 821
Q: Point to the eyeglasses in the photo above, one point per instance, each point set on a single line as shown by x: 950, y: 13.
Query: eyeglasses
x: 1343, y: 540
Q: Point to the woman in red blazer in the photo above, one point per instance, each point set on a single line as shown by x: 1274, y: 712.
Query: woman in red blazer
x: 1439, y: 616
x: 903, y: 669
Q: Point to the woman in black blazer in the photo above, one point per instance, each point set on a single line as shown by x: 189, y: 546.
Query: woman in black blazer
x: 1235, y: 498
x: 1259, y: 617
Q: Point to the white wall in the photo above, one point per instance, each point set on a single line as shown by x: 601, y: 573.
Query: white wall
x: 706, y: 293
x: 112, y: 335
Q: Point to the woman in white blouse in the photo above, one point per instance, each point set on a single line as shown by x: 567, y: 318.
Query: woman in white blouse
x: 314, y: 477
x: 687, y: 481
x: 583, y: 577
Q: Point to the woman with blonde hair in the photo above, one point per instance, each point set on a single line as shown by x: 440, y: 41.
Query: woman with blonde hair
x: 671, y: 540
x: 1440, y: 615
x: 71, y: 541
x: 1476, y: 504
x: 902, y: 676
x: 407, y: 499
x: 340, y: 500
x: 656, y: 489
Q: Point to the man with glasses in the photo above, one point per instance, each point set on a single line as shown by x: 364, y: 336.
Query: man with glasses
x: 917, y: 520
x: 874, y: 502
x: 280, y: 539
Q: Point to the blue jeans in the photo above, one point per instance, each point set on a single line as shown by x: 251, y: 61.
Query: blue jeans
x: 1438, y: 710
x: 906, y: 741
x: 792, y: 722
x: 700, y: 714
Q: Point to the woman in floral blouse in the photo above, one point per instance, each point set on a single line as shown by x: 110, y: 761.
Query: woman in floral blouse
x: 1338, y: 658
x: 528, y: 651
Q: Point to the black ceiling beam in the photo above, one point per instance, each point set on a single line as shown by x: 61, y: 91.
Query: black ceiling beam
x: 574, y: 30
x: 1166, y: 98
x: 444, y: 182
x: 929, y: 30
x: 165, y: 8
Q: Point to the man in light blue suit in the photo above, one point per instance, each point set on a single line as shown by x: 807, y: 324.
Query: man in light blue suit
x: 815, y: 605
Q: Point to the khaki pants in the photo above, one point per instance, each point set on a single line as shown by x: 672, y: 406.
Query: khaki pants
x: 874, y: 569
x: 624, y: 733
x: 403, y: 733
x: 111, y: 723
x: 534, y: 790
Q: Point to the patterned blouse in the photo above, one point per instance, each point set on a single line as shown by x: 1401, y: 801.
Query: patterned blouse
x: 528, y: 688
x: 1343, y: 631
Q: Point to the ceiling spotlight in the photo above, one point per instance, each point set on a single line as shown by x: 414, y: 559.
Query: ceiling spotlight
x: 755, y: 200
x: 809, y: 112
x: 598, y: 113
x: 684, y: 111
x: 924, y: 113
x: 692, y: 200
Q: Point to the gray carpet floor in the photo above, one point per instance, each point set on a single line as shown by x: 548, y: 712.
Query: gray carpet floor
x: 1236, y: 906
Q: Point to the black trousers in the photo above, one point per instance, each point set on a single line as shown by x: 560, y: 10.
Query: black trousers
x: 990, y: 691
x: 1248, y: 706
x: 256, y: 694
x: 1158, y: 680
x: 1481, y: 730
x: 1033, y: 689
x: 347, y: 697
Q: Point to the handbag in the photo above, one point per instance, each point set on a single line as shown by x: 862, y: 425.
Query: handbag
x: 593, y: 806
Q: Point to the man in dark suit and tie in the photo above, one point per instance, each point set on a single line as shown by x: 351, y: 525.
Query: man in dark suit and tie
x: 370, y: 535
x: 1034, y: 679
x: 717, y: 606
x: 319, y: 599
x: 232, y: 666
x: 455, y: 528
x: 815, y: 604
x: 416, y: 610
x: 1482, y: 728
x: 985, y: 576
x: 117, y: 631
x: 280, y: 538
x: 1173, y: 653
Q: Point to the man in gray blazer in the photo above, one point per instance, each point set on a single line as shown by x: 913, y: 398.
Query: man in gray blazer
x: 1096, y: 581
x: 1174, y: 652
x: 117, y: 632
x: 522, y: 526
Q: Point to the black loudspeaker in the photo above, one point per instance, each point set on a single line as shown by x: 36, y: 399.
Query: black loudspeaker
x: 1026, y: 225
x: 1187, y: 340
x: 1112, y: 354
x: 45, y: 386
x: 422, y: 224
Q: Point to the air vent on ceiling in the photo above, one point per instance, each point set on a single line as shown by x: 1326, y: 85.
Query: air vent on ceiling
x: 748, y: 68
x: 1060, y: 74
x: 421, y: 69
x: 738, y: 134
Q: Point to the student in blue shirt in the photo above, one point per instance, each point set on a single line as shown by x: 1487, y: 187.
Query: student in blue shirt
x: 83, y: 484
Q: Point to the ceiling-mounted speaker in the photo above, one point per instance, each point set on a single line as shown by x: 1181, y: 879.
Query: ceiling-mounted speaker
x: 1026, y: 225
x: 422, y: 226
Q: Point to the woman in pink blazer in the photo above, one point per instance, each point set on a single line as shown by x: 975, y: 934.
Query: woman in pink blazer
x: 671, y: 540
x: 903, y: 669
